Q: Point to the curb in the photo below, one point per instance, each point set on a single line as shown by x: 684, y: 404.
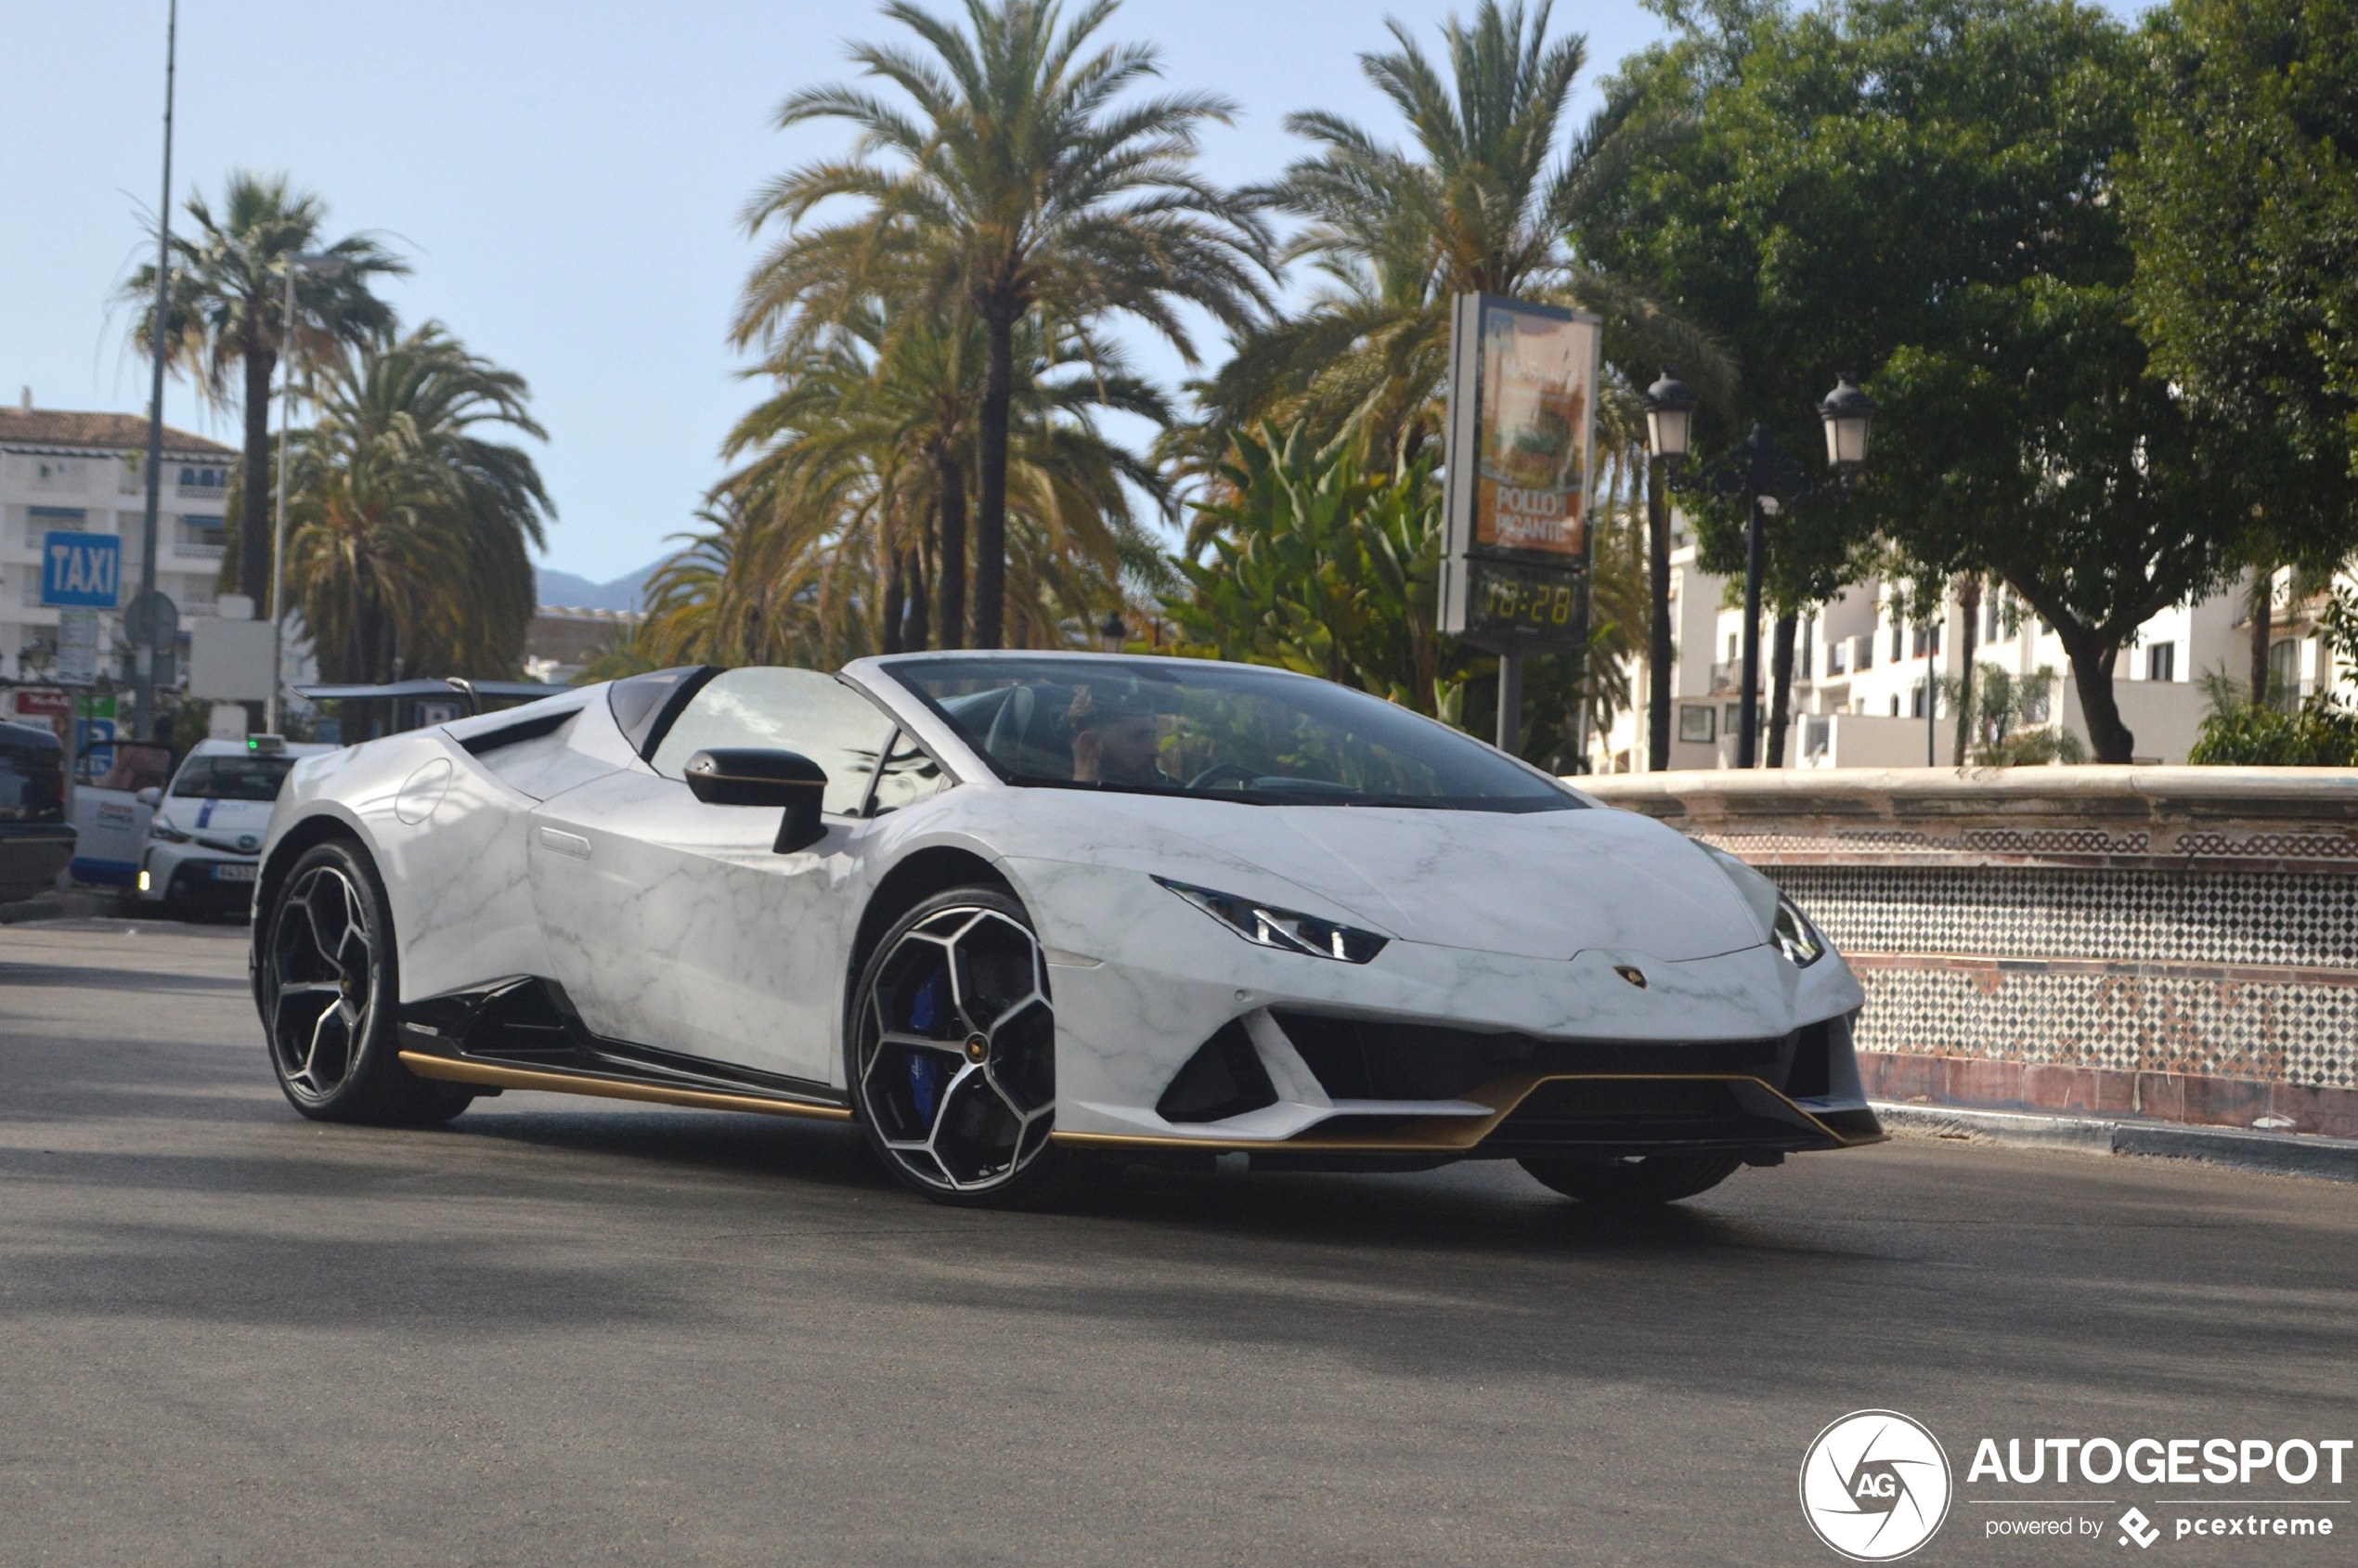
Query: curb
x: 2284, y: 1154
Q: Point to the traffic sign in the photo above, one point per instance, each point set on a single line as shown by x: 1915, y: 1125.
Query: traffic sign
x: 152, y: 620
x: 83, y: 571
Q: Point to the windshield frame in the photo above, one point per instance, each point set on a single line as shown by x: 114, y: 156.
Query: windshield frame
x: 1555, y: 794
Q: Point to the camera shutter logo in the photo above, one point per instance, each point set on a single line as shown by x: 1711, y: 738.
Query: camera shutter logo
x: 1875, y: 1485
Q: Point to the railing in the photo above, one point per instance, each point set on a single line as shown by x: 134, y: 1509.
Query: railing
x: 1724, y: 676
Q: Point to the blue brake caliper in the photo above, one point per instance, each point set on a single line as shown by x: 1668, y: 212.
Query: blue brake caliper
x: 925, y: 1067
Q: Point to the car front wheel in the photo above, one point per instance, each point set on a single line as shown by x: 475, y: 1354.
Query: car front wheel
x: 328, y: 993
x: 952, y: 1050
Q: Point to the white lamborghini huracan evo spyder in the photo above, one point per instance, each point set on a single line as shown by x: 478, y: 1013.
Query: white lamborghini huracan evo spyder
x: 1012, y: 913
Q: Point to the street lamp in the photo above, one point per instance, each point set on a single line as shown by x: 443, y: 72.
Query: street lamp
x: 1768, y: 481
x: 1670, y: 415
x: 319, y: 267
x: 1848, y: 414
x: 1670, y: 420
x: 1113, y: 634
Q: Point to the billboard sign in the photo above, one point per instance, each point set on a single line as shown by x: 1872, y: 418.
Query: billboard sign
x: 1522, y: 401
x: 81, y: 571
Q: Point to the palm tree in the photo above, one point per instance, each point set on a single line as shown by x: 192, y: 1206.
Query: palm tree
x: 1018, y: 185
x: 865, y: 444
x: 410, y: 530
x: 225, y: 310
x: 1481, y: 203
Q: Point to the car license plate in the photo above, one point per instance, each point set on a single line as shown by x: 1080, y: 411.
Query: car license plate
x: 233, y: 872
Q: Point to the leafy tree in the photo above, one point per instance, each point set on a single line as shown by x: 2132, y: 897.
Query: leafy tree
x: 1924, y: 189
x: 2244, y: 198
x: 1482, y: 202
x: 1302, y: 559
x: 409, y: 529
x: 1019, y: 184
x: 224, y: 307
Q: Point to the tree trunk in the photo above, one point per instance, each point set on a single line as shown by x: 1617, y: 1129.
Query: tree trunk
x: 1659, y: 651
x: 895, y: 607
x: 2263, y: 630
x: 916, y: 631
x: 2091, y: 667
x: 1781, y: 687
x: 1969, y: 603
x: 949, y: 482
x: 991, y: 518
x: 253, y: 522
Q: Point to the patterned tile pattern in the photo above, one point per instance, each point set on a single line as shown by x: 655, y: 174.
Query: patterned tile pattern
x: 2287, y: 1031
x: 2023, y: 911
x: 2277, y: 1034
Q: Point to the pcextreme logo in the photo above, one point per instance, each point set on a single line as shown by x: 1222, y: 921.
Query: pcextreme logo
x: 1875, y: 1485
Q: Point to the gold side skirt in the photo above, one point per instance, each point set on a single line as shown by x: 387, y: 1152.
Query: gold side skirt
x: 452, y: 1070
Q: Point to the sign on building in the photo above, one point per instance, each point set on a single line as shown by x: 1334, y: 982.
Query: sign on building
x: 83, y: 571
x: 1523, y: 409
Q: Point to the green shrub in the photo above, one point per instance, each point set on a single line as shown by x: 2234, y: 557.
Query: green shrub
x: 2320, y: 735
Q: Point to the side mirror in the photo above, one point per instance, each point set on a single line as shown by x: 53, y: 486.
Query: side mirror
x: 756, y: 776
x: 150, y: 796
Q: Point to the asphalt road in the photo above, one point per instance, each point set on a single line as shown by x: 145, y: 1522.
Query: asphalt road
x: 569, y: 1332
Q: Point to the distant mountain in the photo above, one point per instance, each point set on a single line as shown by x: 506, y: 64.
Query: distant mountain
x: 579, y: 593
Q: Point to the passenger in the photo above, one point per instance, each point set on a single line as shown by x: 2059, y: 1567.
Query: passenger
x: 1116, y: 737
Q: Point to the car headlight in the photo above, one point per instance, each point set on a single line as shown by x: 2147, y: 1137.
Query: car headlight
x: 1797, y: 939
x: 162, y: 829
x: 1285, y: 929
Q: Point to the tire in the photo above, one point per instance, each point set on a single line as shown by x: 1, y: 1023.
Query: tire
x: 950, y: 1055
x: 327, y: 984
x: 1637, y: 1182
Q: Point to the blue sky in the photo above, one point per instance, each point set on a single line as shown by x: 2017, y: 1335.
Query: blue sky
x: 564, y: 178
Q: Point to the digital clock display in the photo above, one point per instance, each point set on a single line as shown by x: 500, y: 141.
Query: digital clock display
x: 1508, y: 598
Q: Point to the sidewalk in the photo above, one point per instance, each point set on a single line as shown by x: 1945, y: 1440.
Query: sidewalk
x: 2281, y: 1153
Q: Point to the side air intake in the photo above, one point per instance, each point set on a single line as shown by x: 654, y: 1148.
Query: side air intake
x: 1224, y: 1078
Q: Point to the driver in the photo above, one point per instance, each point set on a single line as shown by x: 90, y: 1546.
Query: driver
x: 1117, y: 736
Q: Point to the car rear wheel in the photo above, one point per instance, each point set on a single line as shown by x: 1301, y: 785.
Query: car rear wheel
x: 1633, y: 1181
x: 952, y: 1050
x: 327, y: 992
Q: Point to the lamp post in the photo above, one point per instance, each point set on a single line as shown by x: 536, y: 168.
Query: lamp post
x: 1670, y: 418
x: 1113, y: 634
x: 319, y: 267
x: 1768, y: 480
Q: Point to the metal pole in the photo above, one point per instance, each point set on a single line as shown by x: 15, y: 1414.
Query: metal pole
x: 1510, y: 702
x: 1659, y: 651
x: 1756, y: 568
x: 143, y: 654
x: 1932, y: 687
x: 278, y: 528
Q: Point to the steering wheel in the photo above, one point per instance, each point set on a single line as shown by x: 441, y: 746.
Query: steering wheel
x: 1244, y: 776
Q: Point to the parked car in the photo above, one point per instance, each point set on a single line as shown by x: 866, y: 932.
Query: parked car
x: 35, y: 840
x: 1014, y: 914
x: 205, y: 837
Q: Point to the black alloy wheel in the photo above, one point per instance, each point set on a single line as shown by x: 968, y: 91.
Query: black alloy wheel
x: 326, y: 985
x: 952, y: 1053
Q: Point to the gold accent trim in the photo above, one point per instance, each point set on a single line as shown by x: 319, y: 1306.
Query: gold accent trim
x: 1442, y: 1134
x: 456, y: 1071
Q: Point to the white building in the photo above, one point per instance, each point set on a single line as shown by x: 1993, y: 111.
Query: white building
x: 62, y: 472
x: 1860, y: 665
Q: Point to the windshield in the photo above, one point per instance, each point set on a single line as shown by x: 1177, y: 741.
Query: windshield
x: 1221, y: 730
x: 232, y: 778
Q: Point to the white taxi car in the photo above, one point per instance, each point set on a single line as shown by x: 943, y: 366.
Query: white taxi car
x: 205, y: 838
